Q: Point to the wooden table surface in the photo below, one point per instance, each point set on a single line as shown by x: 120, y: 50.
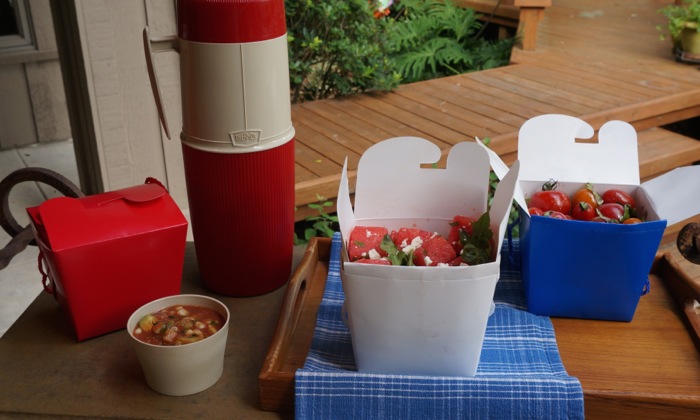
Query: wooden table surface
x: 47, y: 374
x: 649, y: 366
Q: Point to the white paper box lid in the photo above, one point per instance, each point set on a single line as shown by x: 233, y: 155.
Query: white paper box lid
x: 547, y: 149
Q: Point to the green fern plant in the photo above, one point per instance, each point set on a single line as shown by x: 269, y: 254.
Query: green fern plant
x: 435, y: 38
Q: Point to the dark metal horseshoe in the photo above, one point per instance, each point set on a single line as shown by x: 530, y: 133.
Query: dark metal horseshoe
x: 22, y: 236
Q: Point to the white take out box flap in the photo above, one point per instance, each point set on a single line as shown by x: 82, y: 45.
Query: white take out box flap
x: 394, y: 190
x: 550, y: 147
x: 675, y: 196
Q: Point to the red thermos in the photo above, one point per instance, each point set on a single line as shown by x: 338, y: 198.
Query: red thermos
x: 237, y: 140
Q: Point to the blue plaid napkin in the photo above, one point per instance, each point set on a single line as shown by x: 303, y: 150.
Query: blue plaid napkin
x: 520, y: 373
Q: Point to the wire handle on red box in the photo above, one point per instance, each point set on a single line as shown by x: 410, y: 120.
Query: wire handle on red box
x: 46, y: 279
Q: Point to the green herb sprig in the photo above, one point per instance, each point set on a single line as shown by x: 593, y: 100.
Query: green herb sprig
x: 395, y: 255
x: 477, y: 246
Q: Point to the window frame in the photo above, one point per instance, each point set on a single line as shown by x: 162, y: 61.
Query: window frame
x: 25, y: 38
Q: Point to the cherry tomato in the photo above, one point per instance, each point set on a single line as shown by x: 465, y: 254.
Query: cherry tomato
x: 586, y: 195
x: 611, y: 212
x: 618, y: 196
x: 557, y: 215
x: 583, y: 210
x: 632, y: 221
x: 534, y: 211
x: 549, y: 199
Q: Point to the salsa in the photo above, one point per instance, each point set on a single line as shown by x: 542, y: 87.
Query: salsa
x: 178, y: 324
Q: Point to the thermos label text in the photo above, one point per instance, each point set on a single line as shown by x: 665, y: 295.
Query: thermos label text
x: 245, y: 138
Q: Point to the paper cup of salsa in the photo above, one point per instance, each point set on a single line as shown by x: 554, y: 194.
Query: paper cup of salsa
x: 180, y: 342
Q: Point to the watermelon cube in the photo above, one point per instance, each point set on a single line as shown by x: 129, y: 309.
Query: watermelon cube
x: 459, y: 223
x: 435, y: 250
x: 365, y: 243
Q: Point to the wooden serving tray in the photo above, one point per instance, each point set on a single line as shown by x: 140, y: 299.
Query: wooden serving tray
x: 649, y: 367
x: 295, y: 328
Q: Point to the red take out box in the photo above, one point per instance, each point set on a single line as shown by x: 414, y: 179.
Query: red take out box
x: 105, y: 255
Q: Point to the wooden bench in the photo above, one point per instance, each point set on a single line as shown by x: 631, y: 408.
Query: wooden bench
x: 522, y: 15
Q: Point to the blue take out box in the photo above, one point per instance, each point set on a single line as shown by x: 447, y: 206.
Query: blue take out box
x: 579, y: 269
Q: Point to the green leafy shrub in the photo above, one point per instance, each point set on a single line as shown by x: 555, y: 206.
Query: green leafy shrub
x: 336, y: 48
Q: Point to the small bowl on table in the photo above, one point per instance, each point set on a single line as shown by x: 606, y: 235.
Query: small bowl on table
x: 182, y: 366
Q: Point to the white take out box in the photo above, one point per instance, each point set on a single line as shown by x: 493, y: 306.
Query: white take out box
x: 420, y: 320
x: 582, y: 269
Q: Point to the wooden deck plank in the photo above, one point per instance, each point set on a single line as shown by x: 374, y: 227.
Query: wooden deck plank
x: 365, y: 133
x: 507, y: 101
x: 635, y: 112
x: 462, y: 120
x: 302, y: 174
x: 661, y: 150
x: 455, y: 98
x: 601, y: 76
x: 380, y: 105
x: 345, y: 143
x: 666, y: 78
x: 309, y: 158
x: 563, y: 85
x: 608, y: 95
x: 535, y: 91
x: 662, y: 119
x: 322, y: 139
x: 390, y: 125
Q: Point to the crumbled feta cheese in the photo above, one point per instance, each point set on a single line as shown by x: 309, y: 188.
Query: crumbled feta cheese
x: 415, y: 244
x: 368, y: 234
x: 374, y: 255
x: 428, y: 261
